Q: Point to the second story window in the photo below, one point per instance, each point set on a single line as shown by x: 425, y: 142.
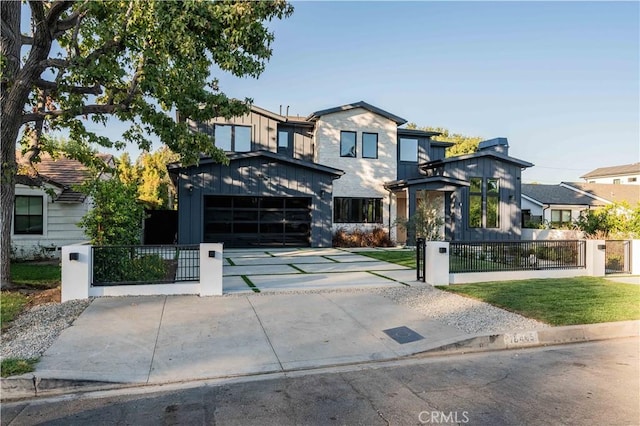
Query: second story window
x: 409, y: 150
x: 284, y: 142
x: 369, y: 145
x: 347, y: 144
x: 233, y: 138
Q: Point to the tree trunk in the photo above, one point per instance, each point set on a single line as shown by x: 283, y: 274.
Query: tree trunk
x: 11, y: 123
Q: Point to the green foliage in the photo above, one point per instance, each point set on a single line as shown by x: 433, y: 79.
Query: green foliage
x: 401, y: 257
x: 463, y: 144
x: 11, y: 304
x: 565, y: 301
x: 426, y: 222
x: 116, y: 218
x: 617, y: 220
x: 14, y: 366
x: 149, y: 174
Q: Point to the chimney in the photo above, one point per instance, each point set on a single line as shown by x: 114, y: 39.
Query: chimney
x: 499, y: 145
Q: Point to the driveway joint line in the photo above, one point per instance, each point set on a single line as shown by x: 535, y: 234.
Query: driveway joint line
x: 155, y: 344
x: 265, y: 334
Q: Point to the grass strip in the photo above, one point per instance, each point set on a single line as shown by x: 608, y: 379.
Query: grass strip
x: 333, y: 260
x: 14, y: 366
x: 296, y: 268
x: 562, y: 301
x: 404, y: 257
x: 390, y: 279
x: 231, y: 262
x: 250, y: 284
x: 11, y: 304
x: 36, y: 274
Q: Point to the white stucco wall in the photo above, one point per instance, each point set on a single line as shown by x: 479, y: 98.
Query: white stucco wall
x: 59, y: 226
x: 364, y: 177
x: 624, y: 180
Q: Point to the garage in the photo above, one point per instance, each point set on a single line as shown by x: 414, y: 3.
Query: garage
x: 241, y: 221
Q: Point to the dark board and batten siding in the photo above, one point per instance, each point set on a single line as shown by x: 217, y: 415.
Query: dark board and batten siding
x: 256, y: 177
x: 509, y: 175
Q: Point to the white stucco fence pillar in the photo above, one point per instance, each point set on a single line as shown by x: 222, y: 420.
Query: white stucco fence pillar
x: 76, y: 272
x: 211, y: 261
x: 596, y: 259
x: 635, y: 257
x: 436, y: 260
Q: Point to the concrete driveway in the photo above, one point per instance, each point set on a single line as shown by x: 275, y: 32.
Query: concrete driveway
x: 271, y: 270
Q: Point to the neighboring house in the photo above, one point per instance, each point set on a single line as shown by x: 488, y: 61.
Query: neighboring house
x: 560, y: 205
x: 47, y: 208
x: 293, y: 181
x: 625, y: 174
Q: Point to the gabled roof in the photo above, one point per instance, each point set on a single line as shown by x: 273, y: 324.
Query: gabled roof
x: 625, y: 169
x: 435, y: 182
x: 316, y: 115
x: 272, y: 156
x: 608, y: 191
x: 62, y: 172
x: 557, y: 194
x: 479, y: 154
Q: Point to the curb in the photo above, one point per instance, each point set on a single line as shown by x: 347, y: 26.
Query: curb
x: 542, y: 337
x: 30, y: 386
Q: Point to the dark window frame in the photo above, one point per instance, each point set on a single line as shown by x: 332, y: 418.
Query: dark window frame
x: 40, y: 230
x: 560, y: 222
x: 358, y: 210
x: 363, y: 144
x: 400, y: 144
x: 353, y: 152
x: 475, y: 196
x: 233, y: 144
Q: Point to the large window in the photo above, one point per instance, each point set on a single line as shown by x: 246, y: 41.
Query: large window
x: 369, y: 145
x: 233, y: 138
x: 347, y: 144
x: 28, y: 215
x: 484, y: 203
x: 475, y: 203
x: 560, y: 218
x: 284, y: 142
x: 409, y: 150
x: 357, y: 210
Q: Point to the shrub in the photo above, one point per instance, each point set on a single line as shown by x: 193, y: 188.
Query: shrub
x: 376, y: 237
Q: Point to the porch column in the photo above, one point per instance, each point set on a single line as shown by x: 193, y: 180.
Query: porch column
x: 412, y: 195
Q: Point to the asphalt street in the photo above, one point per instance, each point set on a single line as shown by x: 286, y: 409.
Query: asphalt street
x: 574, y: 384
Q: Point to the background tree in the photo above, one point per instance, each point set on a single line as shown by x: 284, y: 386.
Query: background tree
x: 463, y: 144
x: 426, y: 222
x: 136, y: 61
x: 616, y: 220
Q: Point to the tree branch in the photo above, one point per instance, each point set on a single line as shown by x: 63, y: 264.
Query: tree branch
x: 55, y: 63
x: 85, y: 110
x: 26, y: 40
x: 57, y: 8
x: 50, y: 85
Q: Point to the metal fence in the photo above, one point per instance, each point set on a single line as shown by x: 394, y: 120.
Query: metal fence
x: 421, y: 265
x: 127, y: 265
x: 491, y: 256
x: 617, y: 257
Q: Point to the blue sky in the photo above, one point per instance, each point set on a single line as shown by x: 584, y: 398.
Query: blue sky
x: 560, y: 80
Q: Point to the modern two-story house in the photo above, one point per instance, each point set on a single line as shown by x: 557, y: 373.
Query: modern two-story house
x: 294, y: 181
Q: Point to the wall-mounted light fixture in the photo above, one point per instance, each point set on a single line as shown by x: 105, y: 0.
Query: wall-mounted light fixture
x: 189, y: 187
x: 74, y: 256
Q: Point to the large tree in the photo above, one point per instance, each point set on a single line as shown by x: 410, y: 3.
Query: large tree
x: 462, y: 144
x: 85, y: 61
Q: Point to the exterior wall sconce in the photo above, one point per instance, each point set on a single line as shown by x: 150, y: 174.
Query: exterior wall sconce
x: 189, y: 188
x: 442, y: 250
x: 74, y: 256
x: 212, y: 253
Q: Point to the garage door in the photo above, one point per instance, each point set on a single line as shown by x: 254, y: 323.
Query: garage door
x: 257, y: 221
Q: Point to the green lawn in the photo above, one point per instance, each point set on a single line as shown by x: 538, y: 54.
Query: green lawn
x: 36, y: 274
x: 13, y: 367
x: 563, y: 301
x: 401, y: 257
x: 11, y: 304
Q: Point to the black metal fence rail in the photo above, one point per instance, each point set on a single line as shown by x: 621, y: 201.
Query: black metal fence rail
x: 161, y: 264
x: 491, y: 256
x: 420, y: 260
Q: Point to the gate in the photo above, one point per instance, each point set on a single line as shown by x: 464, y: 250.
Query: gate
x: 617, y: 257
x: 420, y: 260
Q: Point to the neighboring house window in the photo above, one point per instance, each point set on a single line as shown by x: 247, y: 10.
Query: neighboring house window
x: 475, y: 203
x: 357, y: 210
x: 560, y: 218
x: 28, y: 218
x: 616, y: 181
x: 632, y: 179
x: 493, y: 203
x: 284, y: 142
x: 347, y: 144
x: 233, y: 138
x: 409, y: 150
x: 369, y: 145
